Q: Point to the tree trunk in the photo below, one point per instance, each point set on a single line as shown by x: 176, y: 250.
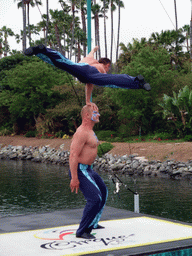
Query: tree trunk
x: 118, y: 30
x: 191, y: 35
x: 28, y: 23
x: 84, y: 29
x: 24, y: 25
x: 47, y: 24
x: 73, y: 25
x: 58, y: 39
x: 111, y: 31
x: 98, y: 36
x: 105, y: 31
x: 5, y: 40
x: 176, y: 24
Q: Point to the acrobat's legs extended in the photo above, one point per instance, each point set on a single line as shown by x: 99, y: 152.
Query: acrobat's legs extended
x: 86, y: 73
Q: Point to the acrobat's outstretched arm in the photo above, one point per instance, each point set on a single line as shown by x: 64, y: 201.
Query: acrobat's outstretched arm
x: 88, y: 93
x: 89, y: 59
x: 86, y: 73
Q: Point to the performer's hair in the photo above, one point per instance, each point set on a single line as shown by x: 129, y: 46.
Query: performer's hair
x: 84, y: 110
x: 105, y: 61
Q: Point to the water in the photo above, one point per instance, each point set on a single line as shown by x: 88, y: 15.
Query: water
x: 27, y: 187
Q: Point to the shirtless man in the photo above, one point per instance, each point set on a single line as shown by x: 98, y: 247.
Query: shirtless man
x: 103, y: 66
x: 89, y: 71
x: 83, y: 152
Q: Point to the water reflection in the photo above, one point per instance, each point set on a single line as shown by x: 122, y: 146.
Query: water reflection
x: 27, y: 187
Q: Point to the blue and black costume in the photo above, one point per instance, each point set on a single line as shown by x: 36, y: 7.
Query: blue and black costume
x: 86, y: 73
x: 95, y: 193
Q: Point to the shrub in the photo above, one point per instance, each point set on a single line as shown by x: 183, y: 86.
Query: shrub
x: 4, y: 132
x: 105, y: 135
x: 104, y: 148
x: 59, y: 134
x: 188, y: 138
x: 163, y: 136
x: 31, y: 134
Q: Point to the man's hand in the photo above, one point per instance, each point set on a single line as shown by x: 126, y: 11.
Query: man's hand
x: 74, y: 185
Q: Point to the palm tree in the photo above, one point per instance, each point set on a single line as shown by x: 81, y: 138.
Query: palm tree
x: 191, y: 33
x: 113, y: 7
x: 73, y: 6
x: 4, y: 33
x: 129, y: 51
x: 80, y: 37
x: 1, y: 47
x: 67, y: 19
x: 83, y: 10
x: 105, y: 9
x: 47, y: 22
x: 120, y: 5
x: 186, y: 29
x: 57, y: 22
x: 176, y: 15
x: 24, y: 25
x: 97, y: 12
x: 23, y: 4
x: 168, y: 40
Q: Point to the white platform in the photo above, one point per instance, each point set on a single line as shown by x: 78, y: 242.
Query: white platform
x: 118, y: 234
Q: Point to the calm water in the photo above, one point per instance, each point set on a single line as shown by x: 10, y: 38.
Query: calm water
x: 27, y: 187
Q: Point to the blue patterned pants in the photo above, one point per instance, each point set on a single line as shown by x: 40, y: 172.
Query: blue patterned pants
x: 86, y: 73
x: 95, y: 193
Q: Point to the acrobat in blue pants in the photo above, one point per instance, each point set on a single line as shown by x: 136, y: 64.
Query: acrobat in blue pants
x: 95, y: 193
x: 86, y: 73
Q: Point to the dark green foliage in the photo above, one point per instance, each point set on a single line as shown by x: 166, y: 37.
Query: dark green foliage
x: 104, y: 148
x: 178, y: 110
x: 31, y: 134
x: 105, y: 135
x: 188, y: 138
x: 11, y: 62
x: 31, y: 90
x: 59, y: 134
x: 28, y: 90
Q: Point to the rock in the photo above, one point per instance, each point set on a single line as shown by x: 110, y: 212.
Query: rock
x: 13, y: 155
x: 129, y: 165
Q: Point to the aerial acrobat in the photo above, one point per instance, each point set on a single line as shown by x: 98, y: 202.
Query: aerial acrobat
x: 89, y: 70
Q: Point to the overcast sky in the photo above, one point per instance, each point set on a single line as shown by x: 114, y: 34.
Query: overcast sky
x: 139, y: 18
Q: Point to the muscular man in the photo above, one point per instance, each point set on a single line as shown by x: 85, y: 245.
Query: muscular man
x: 94, y: 73
x: 83, y: 152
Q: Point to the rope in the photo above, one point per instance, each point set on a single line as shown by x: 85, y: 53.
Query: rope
x: 74, y: 90
x: 167, y: 13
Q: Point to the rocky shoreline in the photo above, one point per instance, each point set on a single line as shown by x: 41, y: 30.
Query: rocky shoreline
x: 130, y: 165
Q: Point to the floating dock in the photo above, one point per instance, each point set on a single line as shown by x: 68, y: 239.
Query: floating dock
x: 126, y: 233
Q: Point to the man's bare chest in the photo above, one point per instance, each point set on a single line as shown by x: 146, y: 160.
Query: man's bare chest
x: 92, y: 141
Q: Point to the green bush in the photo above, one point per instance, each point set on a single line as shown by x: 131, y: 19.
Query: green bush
x: 5, y: 131
x: 105, y: 135
x: 104, y: 148
x: 163, y: 136
x: 31, y: 134
x: 59, y: 134
x: 188, y: 138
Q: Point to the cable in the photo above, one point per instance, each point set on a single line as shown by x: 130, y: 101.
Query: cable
x: 39, y: 9
x: 167, y: 14
x: 74, y: 90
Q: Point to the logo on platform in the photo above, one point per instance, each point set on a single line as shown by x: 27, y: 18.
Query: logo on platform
x: 66, y: 239
x: 55, y: 234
